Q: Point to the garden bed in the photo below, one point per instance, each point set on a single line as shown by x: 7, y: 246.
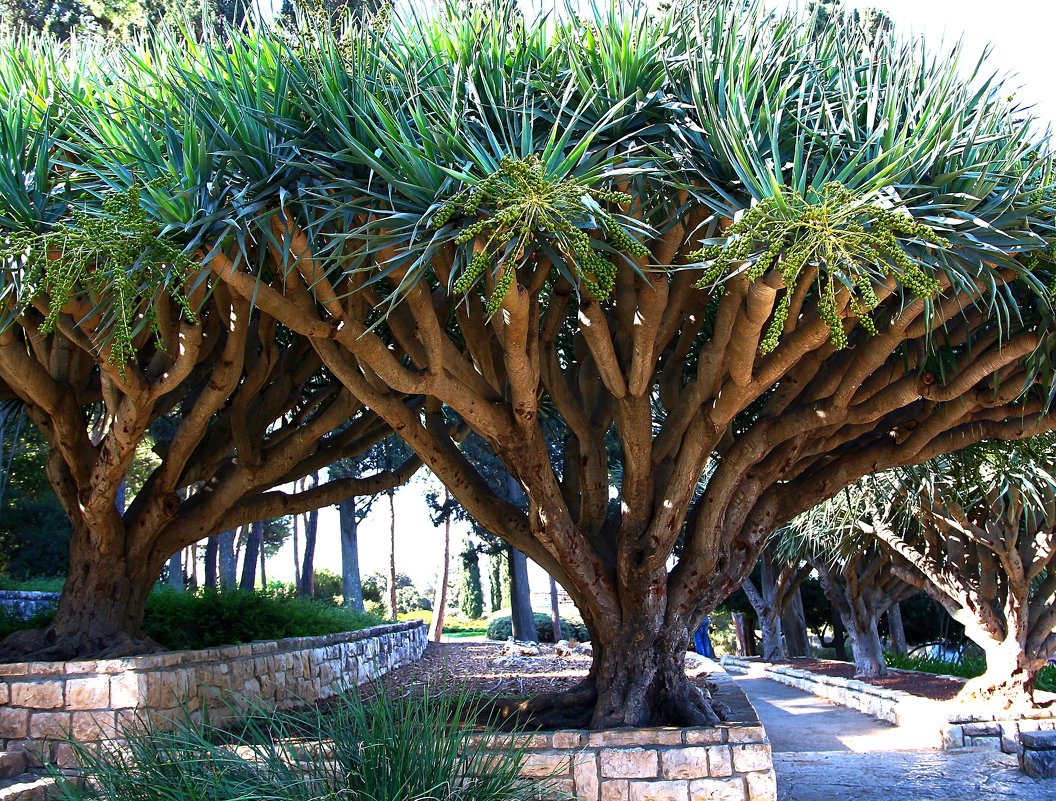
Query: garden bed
x: 923, y: 685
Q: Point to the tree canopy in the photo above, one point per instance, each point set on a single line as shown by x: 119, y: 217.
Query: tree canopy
x: 739, y: 259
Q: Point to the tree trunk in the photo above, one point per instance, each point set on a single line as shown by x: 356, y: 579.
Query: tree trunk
x: 522, y: 618
x: 212, y: 562
x: 1010, y: 676
x: 228, y: 561
x: 496, y: 578
x: 740, y: 630
x: 436, y: 627
x: 393, y: 608
x: 838, y: 635
x: 770, y: 627
x: 192, y: 567
x: 297, y: 552
x: 794, y: 626
x: 351, y: 586
x: 101, y: 608
x: 867, y: 648
x: 311, y: 530
x: 176, y: 571
x: 263, y: 561
x: 555, y: 611
x: 249, y: 560
x: 896, y: 630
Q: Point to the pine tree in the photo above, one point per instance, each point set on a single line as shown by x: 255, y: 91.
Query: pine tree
x: 471, y: 596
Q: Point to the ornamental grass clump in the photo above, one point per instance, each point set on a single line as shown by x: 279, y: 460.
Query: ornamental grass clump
x: 373, y: 746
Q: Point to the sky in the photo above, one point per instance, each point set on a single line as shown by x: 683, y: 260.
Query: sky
x: 1020, y: 34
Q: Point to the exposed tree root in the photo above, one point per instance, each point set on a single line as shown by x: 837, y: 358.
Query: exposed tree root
x: 45, y: 645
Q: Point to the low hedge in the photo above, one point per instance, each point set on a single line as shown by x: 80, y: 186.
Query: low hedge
x: 501, y: 628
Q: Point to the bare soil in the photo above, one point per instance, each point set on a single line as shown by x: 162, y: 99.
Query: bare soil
x: 925, y: 685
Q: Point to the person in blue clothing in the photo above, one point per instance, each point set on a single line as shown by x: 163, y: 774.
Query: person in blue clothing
x: 702, y: 642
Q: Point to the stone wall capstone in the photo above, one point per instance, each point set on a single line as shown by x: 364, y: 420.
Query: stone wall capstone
x: 43, y: 703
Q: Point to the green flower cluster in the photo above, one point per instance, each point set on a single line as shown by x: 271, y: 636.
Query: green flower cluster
x: 116, y: 254
x: 838, y: 232
x: 519, y: 202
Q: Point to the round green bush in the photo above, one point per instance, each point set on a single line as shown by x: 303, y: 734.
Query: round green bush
x: 501, y: 628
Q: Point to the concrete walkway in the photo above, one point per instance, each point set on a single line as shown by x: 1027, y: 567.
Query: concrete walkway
x: 824, y: 752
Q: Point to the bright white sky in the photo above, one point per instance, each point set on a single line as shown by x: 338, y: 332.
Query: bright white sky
x: 1020, y: 33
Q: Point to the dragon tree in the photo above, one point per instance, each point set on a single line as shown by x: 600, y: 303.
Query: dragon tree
x: 113, y: 338
x: 735, y: 259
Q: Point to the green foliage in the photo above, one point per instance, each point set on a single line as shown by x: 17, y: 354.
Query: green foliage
x: 470, y: 592
x: 851, y: 243
x: 501, y: 628
x: 10, y: 622
x: 966, y: 667
x: 409, y: 747
x: 327, y: 586
x: 408, y: 599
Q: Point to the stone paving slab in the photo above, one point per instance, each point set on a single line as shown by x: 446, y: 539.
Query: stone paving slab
x: 961, y: 775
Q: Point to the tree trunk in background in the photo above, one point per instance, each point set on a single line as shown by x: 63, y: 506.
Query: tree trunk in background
x: 351, y: 586
x: 176, y: 571
x: 263, y: 561
x: 794, y: 627
x: 311, y: 531
x: 868, y: 650
x: 896, y: 630
x: 740, y: 629
x: 496, y: 573
x: 555, y: 611
x: 297, y: 552
x: 393, y: 608
x: 252, y: 554
x: 839, y: 634
x: 192, y: 567
x: 212, y: 562
x: 436, y: 627
x: 228, y: 562
x: 521, y: 616
x: 770, y: 628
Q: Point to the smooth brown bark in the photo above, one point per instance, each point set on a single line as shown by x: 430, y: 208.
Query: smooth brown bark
x: 436, y: 626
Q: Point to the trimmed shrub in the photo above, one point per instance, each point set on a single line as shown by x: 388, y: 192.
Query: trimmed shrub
x: 501, y: 628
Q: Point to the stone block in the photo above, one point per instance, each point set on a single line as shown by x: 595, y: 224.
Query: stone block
x: 762, y: 786
x: 689, y: 762
x: 14, y: 723
x: 629, y: 763
x: 540, y: 764
x: 37, y: 695
x: 658, y: 791
x: 585, y: 774
x: 705, y: 736
x: 569, y: 738
x: 747, y: 758
x: 614, y: 790
x: 747, y: 734
x: 988, y: 729
x: 125, y: 691
x: 1038, y: 764
x: 618, y: 737
x: 53, y: 725
x: 731, y: 789
x: 5, y: 693
x: 90, y: 693
x: 953, y: 737
x: 93, y: 726
x: 560, y: 788
x: 1038, y: 740
x: 720, y: 761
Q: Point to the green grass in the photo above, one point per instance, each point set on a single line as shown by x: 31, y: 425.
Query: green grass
x: 454, y: 627
x: 204, y: 619
x: 383, y: 747
x: 968, y: 667
x: 32, y: 585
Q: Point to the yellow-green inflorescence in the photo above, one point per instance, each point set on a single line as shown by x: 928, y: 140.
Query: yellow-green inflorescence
x: 116, y: 254
x: 521, y: 201
x: 836, y: 231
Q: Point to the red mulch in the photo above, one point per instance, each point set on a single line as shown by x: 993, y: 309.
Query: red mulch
x: 925, y: 685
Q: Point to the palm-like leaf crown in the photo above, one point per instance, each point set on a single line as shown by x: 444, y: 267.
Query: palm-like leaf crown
x: 841, y: 158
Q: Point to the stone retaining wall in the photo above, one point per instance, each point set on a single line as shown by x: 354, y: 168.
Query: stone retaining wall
x: 26, y: 604
x: 944, y: 724
x: 728, y: 762
x: 41, y: 702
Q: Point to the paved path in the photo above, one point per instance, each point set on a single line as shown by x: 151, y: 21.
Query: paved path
x: 824, y: 752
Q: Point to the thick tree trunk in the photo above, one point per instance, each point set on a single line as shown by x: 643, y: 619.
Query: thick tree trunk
x: 896, y: 630
x: 393, y: 606
x: 252, y: 554
x: 351, y: 586
x: 555, y: 611
x: 228, y: 561
x: 311, y: 530
x: 867, y: 648
x: 1010, y: 676
x: 436, y: 627
x: 101, y: 608
x: 770, y: 627
x: 212, y: 562
x: 794, y: 627
x: 838, y: 635
x: 521, y: 616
